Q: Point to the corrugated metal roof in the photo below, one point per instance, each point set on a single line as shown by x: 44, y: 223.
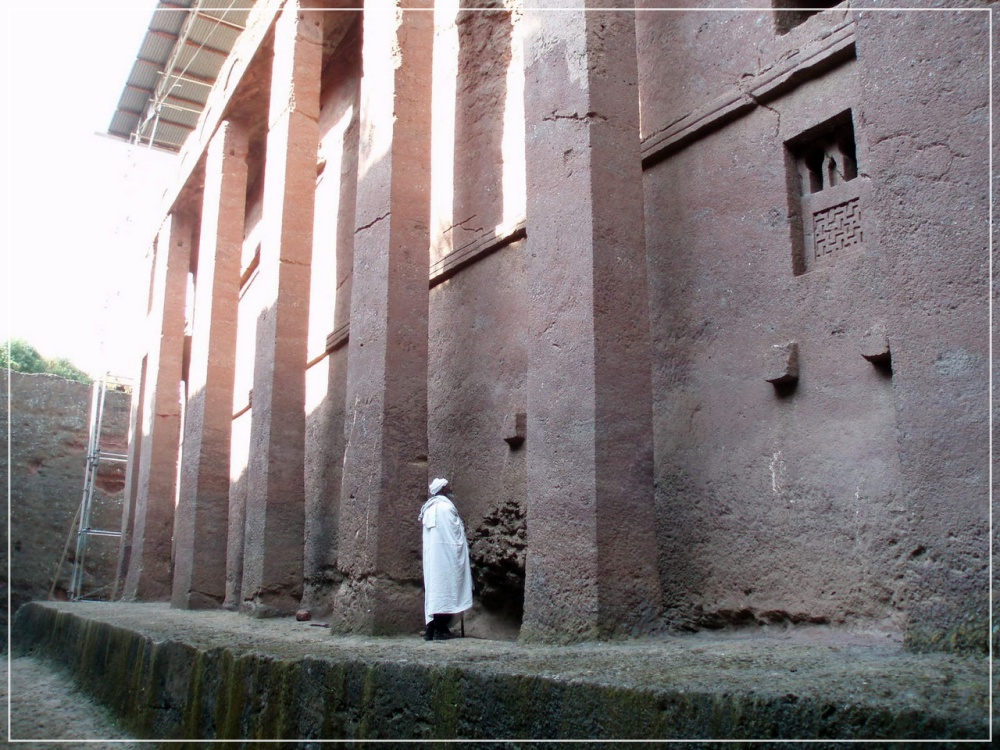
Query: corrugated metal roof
x: 186, y: 44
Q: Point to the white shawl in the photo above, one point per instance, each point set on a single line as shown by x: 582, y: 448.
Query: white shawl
x: 447, y: 575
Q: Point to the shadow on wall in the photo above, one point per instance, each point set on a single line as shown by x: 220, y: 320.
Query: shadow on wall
x: 478, y: 348
x: 330, y: 310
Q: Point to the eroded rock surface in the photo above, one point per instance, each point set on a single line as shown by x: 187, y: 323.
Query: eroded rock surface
x: 497, y: 550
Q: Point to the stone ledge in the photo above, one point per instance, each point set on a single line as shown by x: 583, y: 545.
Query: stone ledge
x: 174, y: 674
x: 479, y: 247
x: 770, y: 83
x: 338, y: 338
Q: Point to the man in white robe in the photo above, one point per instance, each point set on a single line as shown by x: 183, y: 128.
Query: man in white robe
x: 447, y: 575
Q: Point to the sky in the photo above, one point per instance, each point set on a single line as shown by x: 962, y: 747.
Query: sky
x: 76, y: 207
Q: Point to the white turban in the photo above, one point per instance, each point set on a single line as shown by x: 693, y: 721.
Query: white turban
x: 438, y: 484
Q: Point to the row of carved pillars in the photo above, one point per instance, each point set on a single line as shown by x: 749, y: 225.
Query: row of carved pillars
x: 591, y: 567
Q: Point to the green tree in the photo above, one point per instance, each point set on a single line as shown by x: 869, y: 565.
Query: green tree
x: 66, y: 369
x: 21, y: 356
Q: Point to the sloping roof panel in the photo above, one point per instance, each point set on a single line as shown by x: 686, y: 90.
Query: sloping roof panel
x: 186, y: 45
x: 170, y: 16
x: 143, y: 76
x: 133, y: 99
x: 210, y: 32
x: 170, y: 136
x: 157, y: 48
x: 123, y: 122
x: 197, y: 63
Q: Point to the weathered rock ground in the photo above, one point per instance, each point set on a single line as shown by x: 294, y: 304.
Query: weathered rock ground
x: 167, y: 673
x: 46, y: 704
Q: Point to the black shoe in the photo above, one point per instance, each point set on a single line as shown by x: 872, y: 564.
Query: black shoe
x: 429, y: 631
x: 443, y: 635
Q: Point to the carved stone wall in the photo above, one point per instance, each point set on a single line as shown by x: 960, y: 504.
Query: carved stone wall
x: 814, y: 227
x: 812, y: 203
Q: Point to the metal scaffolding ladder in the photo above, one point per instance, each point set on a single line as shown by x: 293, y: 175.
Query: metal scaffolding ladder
x: 95, y: 457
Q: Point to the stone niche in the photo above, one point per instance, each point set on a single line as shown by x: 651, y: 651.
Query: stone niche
x: 823, y: 163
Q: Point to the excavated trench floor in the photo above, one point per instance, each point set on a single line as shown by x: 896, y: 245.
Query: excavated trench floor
x: 173, y: 674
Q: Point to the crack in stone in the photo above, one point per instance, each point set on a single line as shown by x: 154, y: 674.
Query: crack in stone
x: 462, y: 225
x: 555, y: 116
x: 372, y: 223
x: 759, y: 103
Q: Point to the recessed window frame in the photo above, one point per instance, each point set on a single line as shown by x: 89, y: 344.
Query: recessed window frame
x: 791, y: 13
x: 824, y: 183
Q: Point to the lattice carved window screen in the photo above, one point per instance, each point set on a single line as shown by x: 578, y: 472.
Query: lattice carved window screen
x: 828, y: 198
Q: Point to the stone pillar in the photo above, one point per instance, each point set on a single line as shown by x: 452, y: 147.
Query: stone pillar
x: 940, y: 361
x: 272, y: 561
x: 149, y: 570
x: 591, y: 568
x: 385, y: 462
x: 201, y: 524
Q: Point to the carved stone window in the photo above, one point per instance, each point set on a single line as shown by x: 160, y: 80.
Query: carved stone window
x: 827, y: 198
x: 790, y: 13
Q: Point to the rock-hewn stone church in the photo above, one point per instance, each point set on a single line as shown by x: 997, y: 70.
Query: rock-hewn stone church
x: 691, y: 307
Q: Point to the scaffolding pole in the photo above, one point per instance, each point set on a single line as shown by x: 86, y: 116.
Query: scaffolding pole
x: 95, y: 457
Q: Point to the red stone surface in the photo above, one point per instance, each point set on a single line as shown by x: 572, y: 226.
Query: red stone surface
x: 385, y: 462
x: 590, y: 565
x: 49, y: 432
x: 201, y: 523
x: 476, y: 386
x: 477, y: 338
x: 924, y: 86
x: 236, y: 536
x: 272, y: 558
x: 149, y: 575
x: 809, y: 506
x: 333, y: 262
x: 820, y: 180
